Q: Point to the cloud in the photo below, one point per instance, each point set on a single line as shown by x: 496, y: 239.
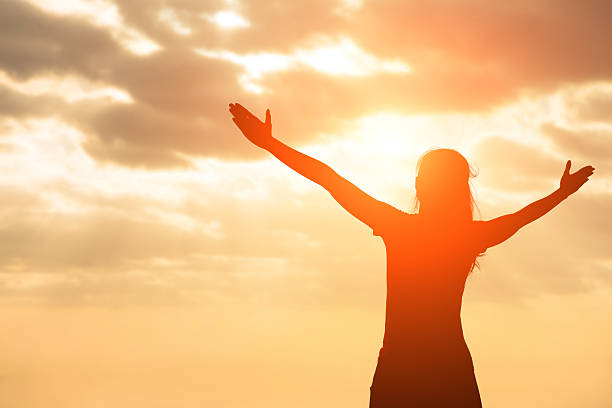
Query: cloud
x: 34, y: 42
x: 128, y: 250
x: 170, y: 17
x: 563, y: 252
x: 222, y: 231
x: 336, y: 58
x: 591, y: 102
x: 585, y: 144
x: 510, y: 166
x: 110, y: 253
x: 70, y: 89
x: 462, y: 58
x: 16, y: 105
x: 77, y: 101
x: 101, y: 13
x: 518, y: 46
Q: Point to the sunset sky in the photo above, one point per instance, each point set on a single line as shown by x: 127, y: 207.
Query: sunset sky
x: 152, y: 257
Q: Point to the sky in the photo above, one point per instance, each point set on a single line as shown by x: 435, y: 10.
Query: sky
x: 152, y: 257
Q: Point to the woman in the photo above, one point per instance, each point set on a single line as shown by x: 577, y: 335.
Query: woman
x: 424, y: 361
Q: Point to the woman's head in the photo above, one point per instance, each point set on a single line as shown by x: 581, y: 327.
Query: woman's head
x: 442, y: 185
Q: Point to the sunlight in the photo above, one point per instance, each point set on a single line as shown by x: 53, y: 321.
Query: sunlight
x: 329, y: 57
x: 169, y: 17
x: 227, y: 19
x: 256, y: 65
x: 344, y: 57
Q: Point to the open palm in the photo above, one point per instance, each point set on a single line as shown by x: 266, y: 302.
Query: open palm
x: 258, y: 132
x: 570, y: 183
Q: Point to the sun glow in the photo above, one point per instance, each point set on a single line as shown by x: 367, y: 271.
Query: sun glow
x: 341, y: 57
x: 344, y: 57
x: 227, y: 19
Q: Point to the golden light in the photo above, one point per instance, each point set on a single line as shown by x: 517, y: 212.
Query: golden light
x: 334, y: 57
x: 169, y: 17
x: 227, y: 19
x: 344, y: 57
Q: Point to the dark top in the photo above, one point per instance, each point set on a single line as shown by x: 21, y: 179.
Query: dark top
x: 427, y: 267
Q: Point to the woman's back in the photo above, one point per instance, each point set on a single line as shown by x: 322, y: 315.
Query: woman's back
x: 427, y: 266
x: 424, y: 352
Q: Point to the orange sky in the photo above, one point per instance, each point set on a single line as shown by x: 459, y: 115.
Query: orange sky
x: 153, y: 257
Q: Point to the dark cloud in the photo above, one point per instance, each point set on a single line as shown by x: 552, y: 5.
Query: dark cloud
x: 180, y: 98
x: 139, y: 135
x: 33, y: 43
x: 275, y: 25
x: 18, y: 105
x: 468, y: 57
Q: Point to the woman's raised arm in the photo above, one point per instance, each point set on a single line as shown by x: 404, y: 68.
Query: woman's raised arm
x: 499, y: 229
x: 367, y: 209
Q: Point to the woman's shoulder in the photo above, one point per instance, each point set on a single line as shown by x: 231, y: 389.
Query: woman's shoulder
x: 396, y: 222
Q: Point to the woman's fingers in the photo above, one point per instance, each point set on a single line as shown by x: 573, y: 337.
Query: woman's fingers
x: 585, y: 171
x: 246, y: 125
x: 573, y: 181
x: 236, y: 109
x: 242, y: 111
x: 568, y: 165
x: 233, y: 110
x: 239, y: 124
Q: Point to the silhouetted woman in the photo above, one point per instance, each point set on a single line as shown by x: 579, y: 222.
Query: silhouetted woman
x: 424, y: 361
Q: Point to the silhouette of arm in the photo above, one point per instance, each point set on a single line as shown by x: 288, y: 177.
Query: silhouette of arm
x: 499, y: 229
x: 367, y: 209
x: 359, y: 204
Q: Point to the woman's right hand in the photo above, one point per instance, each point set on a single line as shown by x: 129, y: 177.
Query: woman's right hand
x: 258, y: 132
x: 570, y: 183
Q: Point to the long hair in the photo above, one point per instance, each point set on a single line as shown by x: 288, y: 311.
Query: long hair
x: 443, y: 187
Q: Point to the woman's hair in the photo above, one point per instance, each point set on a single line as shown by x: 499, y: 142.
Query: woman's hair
x: 443, y: 186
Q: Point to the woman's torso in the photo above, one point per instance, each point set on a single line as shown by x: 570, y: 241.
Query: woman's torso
x: 427, y: 267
